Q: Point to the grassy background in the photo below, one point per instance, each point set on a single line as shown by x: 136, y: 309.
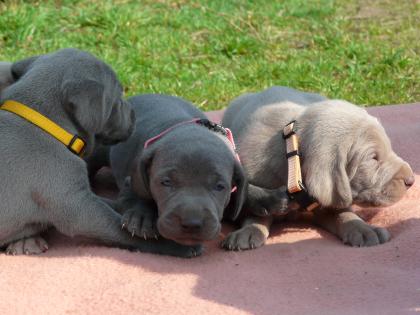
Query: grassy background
x: 211, y: 51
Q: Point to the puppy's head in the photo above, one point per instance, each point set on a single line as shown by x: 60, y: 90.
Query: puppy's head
x: 86, y: 87
x: 191, y: 182
x: 348, y: 158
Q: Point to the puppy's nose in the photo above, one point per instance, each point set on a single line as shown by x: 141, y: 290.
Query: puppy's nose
x: 192, y: 225
x: 409, y: 181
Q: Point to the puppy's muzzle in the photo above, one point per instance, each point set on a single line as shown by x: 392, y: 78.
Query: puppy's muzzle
x: 188, y: 226
x: 409, y: 181
x: 115, y: 133
x: 192, y: 225
x: 406, y: 174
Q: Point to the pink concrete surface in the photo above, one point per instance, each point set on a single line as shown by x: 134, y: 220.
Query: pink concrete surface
x: 301, y: 270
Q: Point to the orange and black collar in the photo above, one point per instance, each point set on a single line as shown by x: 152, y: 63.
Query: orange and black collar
x: 295, y: 187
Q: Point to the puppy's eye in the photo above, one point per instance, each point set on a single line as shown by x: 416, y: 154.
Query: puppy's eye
x: 375, y: 157
x: 166, y: 182
x: 219, y: 187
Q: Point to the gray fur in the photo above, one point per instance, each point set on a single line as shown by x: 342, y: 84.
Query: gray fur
x: 190, y: 160
x: 346, y: 159
x: 44, y: 183
x: 6, y: 77
x: 98, y: 158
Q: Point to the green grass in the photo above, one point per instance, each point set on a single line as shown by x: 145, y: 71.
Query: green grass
x: 209, y: 52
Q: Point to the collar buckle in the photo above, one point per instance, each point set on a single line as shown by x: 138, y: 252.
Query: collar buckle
x: 76, y: 145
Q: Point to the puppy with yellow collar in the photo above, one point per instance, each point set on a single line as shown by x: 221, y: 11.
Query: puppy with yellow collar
x: 60, y: 107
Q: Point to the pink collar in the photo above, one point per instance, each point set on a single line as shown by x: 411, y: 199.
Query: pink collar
x: 204, y: 122
x: 155, y: 138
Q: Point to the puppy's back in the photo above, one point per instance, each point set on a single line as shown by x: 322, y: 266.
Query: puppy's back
x: 242, y: 107
x: 163, y: 107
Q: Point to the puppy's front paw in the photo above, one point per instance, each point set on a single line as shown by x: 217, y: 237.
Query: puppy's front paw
x: 189, y: 251
x: 360, y: 234
x: 248, y: 237
x: 28, y: 246
x: 140, y: 222
x: 171, y: 248
x: 276, y: 202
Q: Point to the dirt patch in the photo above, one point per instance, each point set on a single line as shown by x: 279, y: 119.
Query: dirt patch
x: 367, y: 11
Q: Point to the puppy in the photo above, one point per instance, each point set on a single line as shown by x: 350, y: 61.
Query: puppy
x: 95, y: 161
x: 46, y: 184
x: 177, y: 168
x: 346, y: 158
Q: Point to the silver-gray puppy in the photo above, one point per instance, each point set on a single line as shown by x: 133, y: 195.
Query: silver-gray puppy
x: 346, y: 159
x: 183, y: 179
x: 44, y: 183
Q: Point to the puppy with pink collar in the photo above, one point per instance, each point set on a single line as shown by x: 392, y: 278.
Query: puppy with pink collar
x: 177, y: 173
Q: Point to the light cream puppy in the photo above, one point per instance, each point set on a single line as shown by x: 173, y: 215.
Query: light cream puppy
x: 347, y: 160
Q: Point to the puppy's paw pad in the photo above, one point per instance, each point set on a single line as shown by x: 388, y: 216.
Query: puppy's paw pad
x: 27, y: 246
x: 139, y: 223
x: 248, y: 237
x: 361, y: 234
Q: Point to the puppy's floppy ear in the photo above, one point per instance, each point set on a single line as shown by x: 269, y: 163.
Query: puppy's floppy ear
x: 140, y: 182
x: 85, y: 101
x: 342, y: 196
x: 19, y: 68
x: 327, y: 179
x: 239, y: 196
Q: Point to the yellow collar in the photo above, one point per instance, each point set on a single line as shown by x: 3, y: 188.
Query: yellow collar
x: 73, y: 142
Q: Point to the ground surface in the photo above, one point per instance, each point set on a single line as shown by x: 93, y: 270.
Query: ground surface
x: 301, y: 269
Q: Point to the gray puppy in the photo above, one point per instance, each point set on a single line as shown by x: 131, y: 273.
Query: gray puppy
x: 183, y: 178
x: 6, y: 77
x: 45, y: 184
x: 346, y: 159
x: 100, y: 155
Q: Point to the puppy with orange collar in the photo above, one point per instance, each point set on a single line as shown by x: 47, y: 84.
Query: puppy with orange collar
x: 330, y: 154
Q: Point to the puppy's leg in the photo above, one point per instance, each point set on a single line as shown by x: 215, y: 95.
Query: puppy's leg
x: 32, y: 245
x: 86, y: 215
x: 263, y: 202
x: 253, y: 234
x: 139, y: 217
x: 350, y: 228
x: 110, y: 202
x: 26, y: 241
